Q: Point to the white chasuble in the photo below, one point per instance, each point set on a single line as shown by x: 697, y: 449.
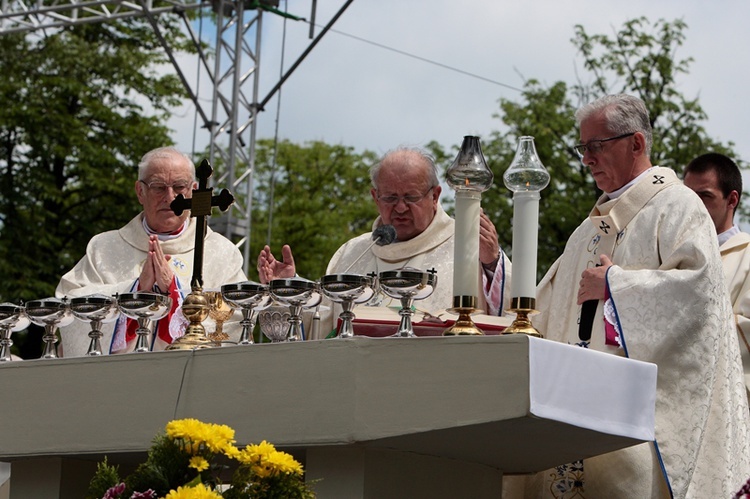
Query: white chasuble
x: 671, y: 308
x: 432, y: 249
x: 113, y: 263
x: 735, y: 255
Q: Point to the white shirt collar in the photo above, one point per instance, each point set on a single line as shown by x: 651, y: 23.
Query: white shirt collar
x: 618, y: 192
x: 727, y: 234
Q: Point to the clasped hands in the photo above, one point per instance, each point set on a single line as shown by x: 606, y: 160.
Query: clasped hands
x: 156, y: 271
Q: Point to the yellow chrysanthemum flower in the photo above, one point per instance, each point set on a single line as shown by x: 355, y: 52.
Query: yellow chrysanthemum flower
x: 199, y: 463
x: 266, y: 460
x: 284, y: 463
x: 200, y: 491
x: 196, y: 436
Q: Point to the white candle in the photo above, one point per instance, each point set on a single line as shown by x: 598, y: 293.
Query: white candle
x: 525, y: 232
x: 466, y: 248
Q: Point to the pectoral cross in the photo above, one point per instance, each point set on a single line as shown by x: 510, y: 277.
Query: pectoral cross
x: 200, y: 207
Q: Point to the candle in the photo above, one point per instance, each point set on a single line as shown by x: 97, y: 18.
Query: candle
x: 525, y: 232
x: 466, y: 244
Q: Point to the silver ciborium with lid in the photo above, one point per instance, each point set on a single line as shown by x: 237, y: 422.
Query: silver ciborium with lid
x: 348, y: 290
x: 249, y: 297
x: 298, y: 294
x: 407, y: 284
x: 145, y: 308
x: 12, y: 318
x: 50, y: 313
x: 96, y: 310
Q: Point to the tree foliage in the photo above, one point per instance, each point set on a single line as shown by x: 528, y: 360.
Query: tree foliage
x: 72, y: 129
x: 639, y: 59
x: 321, y: 198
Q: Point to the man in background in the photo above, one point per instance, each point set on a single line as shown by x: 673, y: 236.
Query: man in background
x: 718, y: 182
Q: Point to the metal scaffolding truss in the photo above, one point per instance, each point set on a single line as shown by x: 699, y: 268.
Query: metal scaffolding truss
x: 231, y: 65
x: 20, y: 16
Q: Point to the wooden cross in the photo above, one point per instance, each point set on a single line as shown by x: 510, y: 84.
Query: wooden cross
x: 200, y: 207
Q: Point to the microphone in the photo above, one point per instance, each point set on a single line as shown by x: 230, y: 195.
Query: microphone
x: 586, y: 320
x: 586, y: 324
x: 382, y: 236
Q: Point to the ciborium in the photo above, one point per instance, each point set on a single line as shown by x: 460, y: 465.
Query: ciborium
x: 146, y: 308
x: 249, y: 297
x: 50, y: 313
x: 407, y: 285
x: 12, y: 318
x: 298, y: 294
x: 96, y: 310
x: 347, y: 290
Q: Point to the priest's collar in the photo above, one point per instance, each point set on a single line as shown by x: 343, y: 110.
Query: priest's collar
x: 164, y: 236
x: 618, y: 192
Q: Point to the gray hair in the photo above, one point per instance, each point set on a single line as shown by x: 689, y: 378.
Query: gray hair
x: 422, y: 157
x: 162, y: 153
x: 623, y: 114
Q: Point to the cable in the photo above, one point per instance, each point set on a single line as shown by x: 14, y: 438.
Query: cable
x: 423, y: 59
x: 182, y: 383
x: 272, y: 182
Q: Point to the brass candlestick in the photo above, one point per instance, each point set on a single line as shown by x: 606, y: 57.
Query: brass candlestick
x: 522, y: 307
x: 463, y: 306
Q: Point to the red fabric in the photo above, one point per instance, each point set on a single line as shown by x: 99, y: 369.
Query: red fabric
x: 162, y: 325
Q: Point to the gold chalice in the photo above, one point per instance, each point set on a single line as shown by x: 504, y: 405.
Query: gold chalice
x: 220, y: 311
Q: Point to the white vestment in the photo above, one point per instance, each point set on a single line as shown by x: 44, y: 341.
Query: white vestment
x: 735, y: 255
x: 432, y: 249
x: 670, y: 304
x: 113, y: 263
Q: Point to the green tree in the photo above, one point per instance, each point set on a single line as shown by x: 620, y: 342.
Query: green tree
x: 321, y: 199
x: 639, y: 59
x: 72, y: 129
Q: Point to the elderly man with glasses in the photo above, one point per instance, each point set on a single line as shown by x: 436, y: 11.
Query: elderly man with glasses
x: 641, y: 277
x: 153, y: 252
x: 406, y: 191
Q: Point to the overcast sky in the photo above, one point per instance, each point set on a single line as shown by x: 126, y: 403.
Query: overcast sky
x: 358, y: 94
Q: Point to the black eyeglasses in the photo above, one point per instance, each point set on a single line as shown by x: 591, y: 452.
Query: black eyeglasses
x: 409, y: 199
x: 595, y: 146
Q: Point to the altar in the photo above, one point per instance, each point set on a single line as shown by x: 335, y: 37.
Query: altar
x: 368, y: 417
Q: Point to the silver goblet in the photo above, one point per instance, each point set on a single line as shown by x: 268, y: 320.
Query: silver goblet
x: 146, y: 308
x: 298, y: 294
x: 249, y: 297
x: 96, y: 310
x: 50, y: 313
x: 12, y: 318
x: 407, y: 285
x: 348, y: 290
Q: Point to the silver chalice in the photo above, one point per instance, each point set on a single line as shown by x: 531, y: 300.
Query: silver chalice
x: 249, y: 297
x: 12, y: 318
x: 348, y: 290
x: 146, y: 308
x: 96, y: 310
x: 50, y: 313
x: 407, y: 285
x: 298, y: 294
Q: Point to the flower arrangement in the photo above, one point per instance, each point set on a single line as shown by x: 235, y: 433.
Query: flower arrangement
x: 188, y: 460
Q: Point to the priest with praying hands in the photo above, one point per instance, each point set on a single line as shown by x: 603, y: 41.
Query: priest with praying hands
x: 153, y: 252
